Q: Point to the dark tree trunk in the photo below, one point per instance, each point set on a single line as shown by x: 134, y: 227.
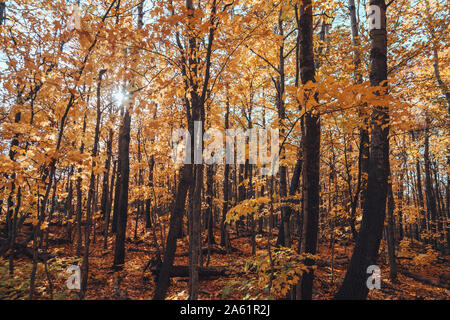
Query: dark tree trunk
x: 224, y: 239
x: 80, y: 200
x: 123, y: 177
x: 283, y: 233
x: 293, y: 187
x: 68, y: 204
x: 423, y: 218
x: 195, y: 232
x: 148, y: 202
x: 105, y: 188
x: 311, y: 153
x: 209, y: 201
x: 363, y: 160
x: 109, y: 205
x: 431, y: 200
x: 171, y: 243
x: 390, y: 236
x: 116, y: 195
x: 2, y: 12
x: 90, y: 199
x: 192, y: 176
x: 11, y: 214
x: 366, y: 249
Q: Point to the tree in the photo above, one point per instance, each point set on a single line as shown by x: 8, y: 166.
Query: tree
x: 365, y: 252
x: 311, y: 153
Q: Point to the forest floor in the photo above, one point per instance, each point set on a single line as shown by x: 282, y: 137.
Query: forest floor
x: 133, y: 283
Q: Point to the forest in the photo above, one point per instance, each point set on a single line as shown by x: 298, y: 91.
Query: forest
x: 224, y: 150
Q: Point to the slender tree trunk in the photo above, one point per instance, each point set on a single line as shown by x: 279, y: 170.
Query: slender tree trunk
x: 311, y: 153
x: 224, y: 238
x: 283, y: 233
x: 390, y: 236
x: 109, y: 205
x: 423, y: 217
x: 105, y: 187
x: 116, y: 193
x: 80, y: 200
x: 171, y: 242
x: 90, y: 199
x: 363, y: 159
x: 209, y: 201
x: 124, y: 172
x: 11, y: 214
x: 2, y: 12
x: 431, y: 200
x: 148, y: 202
x: 68, y: 204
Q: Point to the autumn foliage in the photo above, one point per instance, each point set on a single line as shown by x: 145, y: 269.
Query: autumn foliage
x: 90, y: 98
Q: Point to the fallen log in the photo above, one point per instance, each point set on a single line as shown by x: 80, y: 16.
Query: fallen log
x: 205, y: 252
x: 42, y: 257
x: 217, y: 271
x: 203, y: 272
x: 141, y: 250
x: 404, y: 258
x: 139, y: 242
x: 244, y: 235
x: 326, y: 263
x: 59, y: 241
x: 385, y: 285
x: 441, y: 283
x: 20, y: 248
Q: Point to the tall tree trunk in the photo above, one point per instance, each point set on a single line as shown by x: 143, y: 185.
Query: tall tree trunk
x: 192, y: 175
x: 195, y: 232
x: 11, y: 214
x: 363, y: 159
x: 283, y: 233
x: 171, y: 243
x: 209, y: 201
x: 116, y: 193
x: 2, y: 12
x: 390, y: 236
x: 311, y: 153
x: 365, y: 252
x: 148, y: 201
x: 105, y: 187
x: 90, y: 199
x: 431, y: 200
x: 68, y: 204
x: 224, y: 239
x: 423, y: 218
x: 109, y: 205
x: 123, y: 177
x: 79, y: 214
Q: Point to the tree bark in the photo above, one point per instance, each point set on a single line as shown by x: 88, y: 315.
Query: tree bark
x: 123, y: 177
x: 79, y: 213
x: 390, y: 236
x: 365, y: 252
x: 311, y: 153
x: 224, y: 238
x: 430, y: 197
x: 171, y: 242
x: 90, y: 199
x: 363, y: 159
